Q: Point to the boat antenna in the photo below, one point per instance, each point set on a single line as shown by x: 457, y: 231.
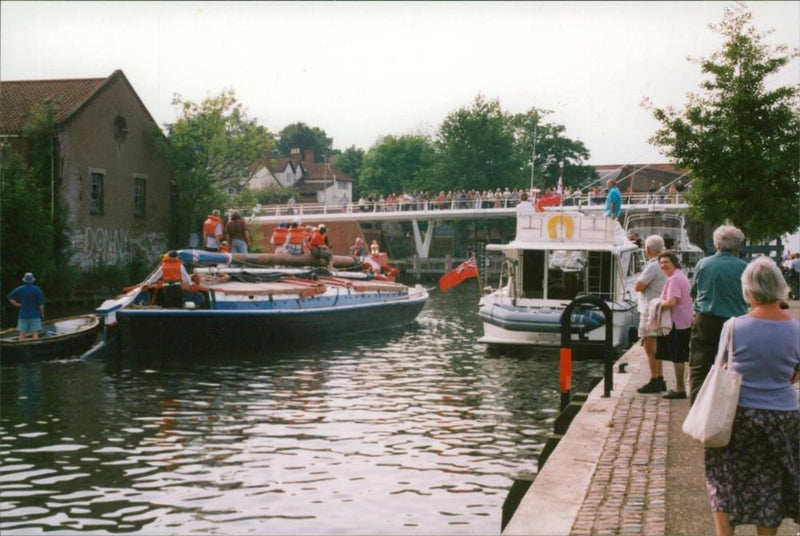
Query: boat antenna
x: 533, y: 154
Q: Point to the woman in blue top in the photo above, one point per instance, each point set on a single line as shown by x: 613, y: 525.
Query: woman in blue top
x: 754, y: 480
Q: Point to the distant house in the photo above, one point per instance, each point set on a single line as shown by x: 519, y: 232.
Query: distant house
x: 642, y: 177
x: 106, y: 170
x: 317, y: 182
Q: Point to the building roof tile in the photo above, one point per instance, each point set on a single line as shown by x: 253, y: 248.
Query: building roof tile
x: 19, y: 99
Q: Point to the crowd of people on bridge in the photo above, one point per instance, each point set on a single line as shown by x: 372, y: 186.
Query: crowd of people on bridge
x: 755, y: 479
x: 508, y: 198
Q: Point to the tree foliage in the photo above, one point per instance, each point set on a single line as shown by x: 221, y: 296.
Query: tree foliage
x: 398, y: 164
x: 211, y: 147
x: 34, y: 222
x: 739, y: 138
x: 553, y: 149
x: 301, y: 136
x: 475, y: 146
x: 269, y: 195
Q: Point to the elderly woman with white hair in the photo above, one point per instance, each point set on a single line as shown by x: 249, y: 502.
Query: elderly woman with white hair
x: 755, y: 479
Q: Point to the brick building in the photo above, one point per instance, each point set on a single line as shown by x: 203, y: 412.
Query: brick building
x: 106, y: 169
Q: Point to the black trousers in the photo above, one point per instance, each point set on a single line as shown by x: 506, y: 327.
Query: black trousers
x: 703, y: 346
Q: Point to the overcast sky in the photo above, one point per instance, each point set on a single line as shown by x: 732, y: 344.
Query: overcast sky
x: 363, y: 70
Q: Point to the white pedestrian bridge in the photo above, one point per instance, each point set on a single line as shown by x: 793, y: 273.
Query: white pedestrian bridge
x: 432, y: 212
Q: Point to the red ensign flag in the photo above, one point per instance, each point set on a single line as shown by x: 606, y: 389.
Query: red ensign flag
x: 464, y: 271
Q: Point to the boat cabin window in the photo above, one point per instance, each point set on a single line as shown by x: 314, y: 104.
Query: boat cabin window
x: 569, y: 273
x: 566, y: 274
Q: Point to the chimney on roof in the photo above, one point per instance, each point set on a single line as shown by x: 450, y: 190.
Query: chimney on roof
x: 294, y: 156
x: 309, y: 157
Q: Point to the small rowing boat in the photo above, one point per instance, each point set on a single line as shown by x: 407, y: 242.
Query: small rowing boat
x: 59, y: 338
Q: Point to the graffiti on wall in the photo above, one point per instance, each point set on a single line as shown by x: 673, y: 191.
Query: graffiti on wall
x: 96, y: 246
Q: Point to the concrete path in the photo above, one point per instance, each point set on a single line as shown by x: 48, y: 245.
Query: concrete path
x: 625, y: 467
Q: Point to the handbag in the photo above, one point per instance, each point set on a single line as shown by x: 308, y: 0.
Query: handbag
x: 710, y: 419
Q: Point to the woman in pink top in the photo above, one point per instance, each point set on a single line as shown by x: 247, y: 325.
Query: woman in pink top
x: 675, y: 297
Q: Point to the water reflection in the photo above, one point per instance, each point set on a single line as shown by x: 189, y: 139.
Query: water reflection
x: 397, y: 432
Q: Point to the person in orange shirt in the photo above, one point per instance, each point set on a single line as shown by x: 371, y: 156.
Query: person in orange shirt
x: 279, y: 238
x: 212, y: 231
x: 319, y: 247
x: 295, y: 239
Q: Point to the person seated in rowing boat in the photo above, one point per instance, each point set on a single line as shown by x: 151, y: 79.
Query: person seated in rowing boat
x: 358, y: 249
x: 295, y: 239
x: 29, y: 299
x: 319, y: 246
x: 279, y: 237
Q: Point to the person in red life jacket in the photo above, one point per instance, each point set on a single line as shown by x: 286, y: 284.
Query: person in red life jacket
x: 212, y: 231
x: 319, y: 246
x: 178, y: 286
x: 173, y: 271
x: 279, y: 237
x: 224, y: 247
x: 237, y: 234
x: 296, y: 239
x: 309, y: 232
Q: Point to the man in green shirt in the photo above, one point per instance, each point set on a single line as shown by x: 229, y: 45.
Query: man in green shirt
x: 717, y: 294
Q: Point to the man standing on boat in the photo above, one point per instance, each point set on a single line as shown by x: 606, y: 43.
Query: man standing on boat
x: 237, y: 233
x: 29, y: 299
x: 212, y: 232
x: 613, y: 200
x: 649, y: 286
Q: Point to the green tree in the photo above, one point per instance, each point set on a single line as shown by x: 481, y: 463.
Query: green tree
x: 301, y: 136
x: 739, y: 138
x: 475, y: 146
x: 270, y: 195
x: 211, y: 147
x: 32, y: 211
x: 552, y: 150
x: 398, y: 164
x: 350, y: 161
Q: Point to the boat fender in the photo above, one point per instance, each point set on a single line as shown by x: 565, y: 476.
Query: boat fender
x: 564, y: 222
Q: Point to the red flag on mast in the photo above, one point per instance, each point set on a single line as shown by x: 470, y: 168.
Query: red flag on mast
x: 465, y: 270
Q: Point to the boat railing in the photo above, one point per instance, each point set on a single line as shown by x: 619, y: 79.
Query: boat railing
x: 580, y: 200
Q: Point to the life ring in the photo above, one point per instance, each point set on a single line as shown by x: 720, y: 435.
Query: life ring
x: 562, y: 221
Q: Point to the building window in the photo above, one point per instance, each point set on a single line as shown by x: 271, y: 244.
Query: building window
x: 96, y: 206
x: 139, y: 196
x: 120, y: 129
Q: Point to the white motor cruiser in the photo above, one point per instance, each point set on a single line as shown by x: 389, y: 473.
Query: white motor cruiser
x: 555, y: 258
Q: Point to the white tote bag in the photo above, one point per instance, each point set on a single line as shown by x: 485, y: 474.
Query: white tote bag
x: 710, y: 419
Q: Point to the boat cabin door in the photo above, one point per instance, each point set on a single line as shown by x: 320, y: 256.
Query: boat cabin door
x: 532, y: 273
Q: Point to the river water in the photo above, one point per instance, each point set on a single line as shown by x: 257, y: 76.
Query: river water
x: 411, y: 431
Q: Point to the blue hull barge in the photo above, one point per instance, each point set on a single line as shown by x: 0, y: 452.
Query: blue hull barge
x: 257, y: 305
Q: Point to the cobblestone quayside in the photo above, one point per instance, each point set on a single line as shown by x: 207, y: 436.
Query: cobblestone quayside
x: 628, y: 491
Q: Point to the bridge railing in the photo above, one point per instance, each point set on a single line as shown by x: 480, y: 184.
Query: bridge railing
x: 298, y: 210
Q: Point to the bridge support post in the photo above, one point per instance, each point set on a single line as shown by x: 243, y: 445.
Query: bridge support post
x: 423, y: 246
